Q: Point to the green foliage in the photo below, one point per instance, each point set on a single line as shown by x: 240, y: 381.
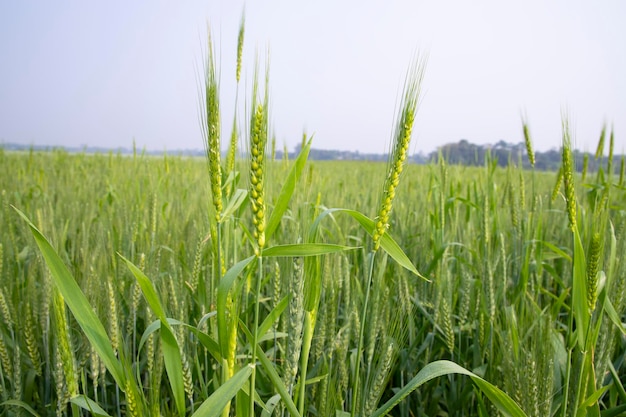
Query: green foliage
x: 482, y: 271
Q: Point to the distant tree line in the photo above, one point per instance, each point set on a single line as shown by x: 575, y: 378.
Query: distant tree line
x: 460, y: 153
x: 471, y: 154
x: 466, y: 153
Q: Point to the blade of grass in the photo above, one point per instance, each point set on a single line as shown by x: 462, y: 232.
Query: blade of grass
x: 273, y: 316
x: 611, y: 313
x: 592, y: 402
x: 618, y: 383
x: 22, y: 404
x: 213, y: 406
x: 223, y: 288
x: 90, y: 405
x: 270, y: 405
x: 439, y: 368
x: 240, y: 197
x: 207, y: 341
x: 272, y: 374
x: 171, y: 350
x: 305, y: 249
x: 79, y: 305
x: 287, y: 191
x: 388, y: 244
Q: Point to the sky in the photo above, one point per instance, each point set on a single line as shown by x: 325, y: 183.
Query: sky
x: 77, y: 73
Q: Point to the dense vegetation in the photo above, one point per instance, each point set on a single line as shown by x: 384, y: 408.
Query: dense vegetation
x: 139, y: 285
x: 494, y: 242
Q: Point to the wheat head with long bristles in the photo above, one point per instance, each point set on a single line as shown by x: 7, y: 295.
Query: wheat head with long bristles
x: 400, y: 147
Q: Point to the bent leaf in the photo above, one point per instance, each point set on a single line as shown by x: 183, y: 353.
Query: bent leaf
x: 90, y: 405
x: 18, y: 403
x: 305, y: 249
x: 79, y: 305
x: 214, y: 405
x: 235, y: 202
x: 386, y: 241
x: 503, y: 402
x: 171, y: 351
x: 223, y: 288
x: 206, y: 340
x: 287, y: 191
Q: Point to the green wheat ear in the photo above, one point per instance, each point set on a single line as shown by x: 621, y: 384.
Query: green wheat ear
x: 258, y: 144
x: 528, y: 142
x: 211, y: 129
x: 600, y: 148
x: 593, y: 266
x: 242, y: 25
x: 609, y: 167
x: 400, y: 147
x: 258, y: 137
x: 568, y: 175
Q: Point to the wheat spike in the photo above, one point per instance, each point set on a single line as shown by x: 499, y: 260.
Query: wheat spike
x: 211, y: 129
x: 65, y: 346
x: 593, y: 268
x: 528, y: 142
x: 380, y: 379
x: 600, y: 148
x: 400, y: 148
x: 240, y: 39
x: 295, y: 323
x: 31, y: 342
x: 568, y: 176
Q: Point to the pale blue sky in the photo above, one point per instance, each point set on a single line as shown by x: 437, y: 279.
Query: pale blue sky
x: 77, y: 72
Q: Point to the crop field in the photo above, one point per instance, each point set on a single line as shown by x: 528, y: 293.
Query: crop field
x: 245, y: 285
x: 495, y: 244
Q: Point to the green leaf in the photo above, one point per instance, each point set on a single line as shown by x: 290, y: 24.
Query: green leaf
x: 235, y: 202
x: 277, y: 382
x: 79, y: 306
x: 223, y: 289
x: 270, y: 405
x: 579, y: 291
x: 272, y: 336
x: 18, y: 403
x: 557, y: 250
x: 618, y: 383
x: 173, y: 367
x: 206, y: 340
x: 386, y: 241
x: 273, y: 316
x: 214, y: 405
x: 613, y: 315
x: 231, y: 180
x: 148, y: 290
x: 271, y: 373
x: 304, y: 249
x: 439, y: 368
x: 88, y: 404
x: 592, y: 402
x: 171, y: 351
x: 615, y: 412
x: 589, y: 407
x: 153, y: 327
x: 287, y: 191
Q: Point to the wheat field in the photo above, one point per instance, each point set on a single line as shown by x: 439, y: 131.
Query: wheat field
x: 240, y: 285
